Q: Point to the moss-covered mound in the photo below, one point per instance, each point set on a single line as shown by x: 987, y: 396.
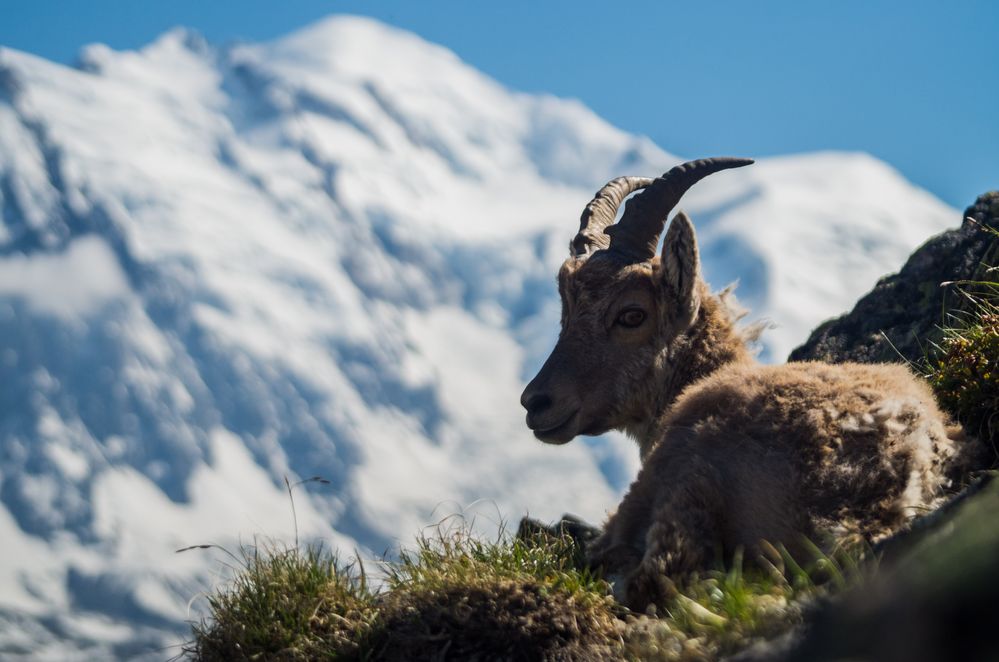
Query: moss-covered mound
x: 504, y: 619
x: 286, y: 604
x: 454, y: 597
x: 459, y: 597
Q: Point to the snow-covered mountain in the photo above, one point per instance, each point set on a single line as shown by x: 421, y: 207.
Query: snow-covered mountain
x: 328, y: 255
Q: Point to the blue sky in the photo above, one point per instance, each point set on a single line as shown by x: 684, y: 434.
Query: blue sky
x: 914, y: 83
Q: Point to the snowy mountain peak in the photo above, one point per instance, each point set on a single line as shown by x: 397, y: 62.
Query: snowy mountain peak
x: 361, y: 47
x: 330, y: 254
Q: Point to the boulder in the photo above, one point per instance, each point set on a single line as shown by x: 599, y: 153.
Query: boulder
x: 904, y: 311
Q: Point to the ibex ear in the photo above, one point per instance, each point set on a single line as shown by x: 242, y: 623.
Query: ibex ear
x: 681, y: 271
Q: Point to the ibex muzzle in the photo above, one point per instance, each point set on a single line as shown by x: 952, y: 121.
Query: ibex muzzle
x: 621, y: 306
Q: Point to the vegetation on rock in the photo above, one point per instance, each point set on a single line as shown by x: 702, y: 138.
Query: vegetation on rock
x: 964, y: 367
x: 286, y: 604
x: 905, y: 311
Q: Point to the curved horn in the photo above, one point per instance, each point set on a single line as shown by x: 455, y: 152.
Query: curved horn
x: 600, y: 213
x: 636, y: 235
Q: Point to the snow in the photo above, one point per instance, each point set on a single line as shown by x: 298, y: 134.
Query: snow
x: 72, y: 284
x: 331, y: 254
x: 18, y: 550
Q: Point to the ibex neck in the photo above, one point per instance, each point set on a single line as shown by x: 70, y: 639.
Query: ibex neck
x: 711, y: 342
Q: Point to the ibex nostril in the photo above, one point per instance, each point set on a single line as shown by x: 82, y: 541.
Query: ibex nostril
x: 537, y: 403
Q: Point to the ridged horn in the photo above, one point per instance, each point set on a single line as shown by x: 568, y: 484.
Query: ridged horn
x: 600, y: 213
x: 636, y: 236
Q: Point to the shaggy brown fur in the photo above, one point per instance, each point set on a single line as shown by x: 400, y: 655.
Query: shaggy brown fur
x: 734, y: 452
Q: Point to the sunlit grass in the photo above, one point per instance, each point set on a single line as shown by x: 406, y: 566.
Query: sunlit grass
x: 455, y: 594
x: 286, y: 603
x: 963, y: 368
x: 724, y: 611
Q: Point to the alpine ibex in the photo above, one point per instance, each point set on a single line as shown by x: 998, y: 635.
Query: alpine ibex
x: 733, y: 452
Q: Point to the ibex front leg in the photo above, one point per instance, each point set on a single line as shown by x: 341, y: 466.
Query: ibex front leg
x: 665, y: 527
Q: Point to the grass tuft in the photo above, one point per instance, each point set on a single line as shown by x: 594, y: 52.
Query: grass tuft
x: 722, y: 612
x: 465, y: 597
x: 286, y: 604
x: 963, y: 368
x: 965, y: 372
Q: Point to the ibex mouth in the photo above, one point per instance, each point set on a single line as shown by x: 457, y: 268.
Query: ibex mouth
x: 560, y: 433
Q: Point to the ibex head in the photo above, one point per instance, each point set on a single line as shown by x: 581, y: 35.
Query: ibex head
x: 623, y: 307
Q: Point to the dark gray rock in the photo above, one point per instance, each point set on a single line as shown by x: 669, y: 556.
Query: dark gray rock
x: 895, y: 321
x: 935, y: 601
x: 581, y: 533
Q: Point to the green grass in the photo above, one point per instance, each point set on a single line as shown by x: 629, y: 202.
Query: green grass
x: 964, y: 367
x: 460, y: 594
x: 286, y: 604
x: 457, y: 595
x: 452, y: 593
x: 721, y: 612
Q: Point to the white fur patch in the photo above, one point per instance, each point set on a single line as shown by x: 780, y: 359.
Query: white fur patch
x: 924, y: 437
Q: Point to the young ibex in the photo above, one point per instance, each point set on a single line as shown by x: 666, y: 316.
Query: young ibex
x: 733, y: 452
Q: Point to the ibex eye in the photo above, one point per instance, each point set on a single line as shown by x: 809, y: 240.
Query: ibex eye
x: 631, y: 318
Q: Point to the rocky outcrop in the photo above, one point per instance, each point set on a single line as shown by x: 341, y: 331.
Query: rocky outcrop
x: 934, y: 594
x: 904, y: 311
x: 935, y: 602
